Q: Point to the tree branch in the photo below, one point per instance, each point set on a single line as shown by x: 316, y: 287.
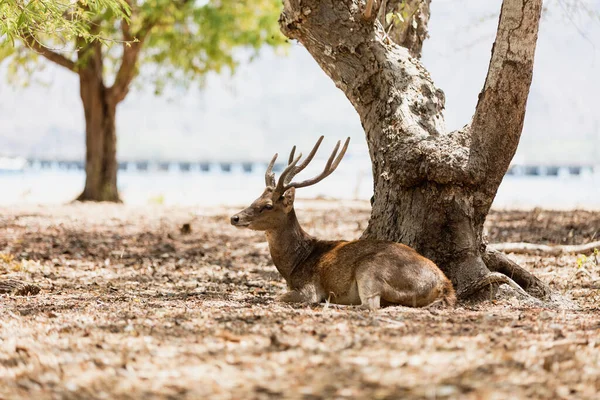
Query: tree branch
x: 132, y: 45
x: 500, y: 112
x: 368, y: 13
x: 50, y: 55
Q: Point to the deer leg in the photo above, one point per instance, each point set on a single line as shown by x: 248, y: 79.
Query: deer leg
x: 371, y: 303
x: 374, y: 303
x: 370, y: 297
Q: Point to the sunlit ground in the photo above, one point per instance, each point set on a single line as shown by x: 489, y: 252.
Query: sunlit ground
x: 132, y: 306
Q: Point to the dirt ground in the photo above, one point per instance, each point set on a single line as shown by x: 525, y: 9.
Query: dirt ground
x: 134, y: 306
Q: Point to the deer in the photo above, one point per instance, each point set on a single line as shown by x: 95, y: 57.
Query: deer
x: 368, y: 273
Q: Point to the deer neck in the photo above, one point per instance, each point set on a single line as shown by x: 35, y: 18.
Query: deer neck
x: 289, y: 245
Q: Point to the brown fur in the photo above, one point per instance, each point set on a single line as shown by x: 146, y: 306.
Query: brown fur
x: 366, y: 272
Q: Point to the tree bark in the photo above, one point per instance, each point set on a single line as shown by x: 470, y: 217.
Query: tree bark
x: 100, y: 131
x: 432, y: 188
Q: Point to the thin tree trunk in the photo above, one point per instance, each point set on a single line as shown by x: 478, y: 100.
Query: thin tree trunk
x: 432, y: 188
x: 100, y: 131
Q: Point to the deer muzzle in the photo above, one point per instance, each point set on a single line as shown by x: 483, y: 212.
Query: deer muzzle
x: 239, y: 221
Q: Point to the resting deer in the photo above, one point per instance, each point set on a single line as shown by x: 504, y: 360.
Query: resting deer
x: 366, y: 272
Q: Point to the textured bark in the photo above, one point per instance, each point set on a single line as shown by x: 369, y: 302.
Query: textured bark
x: 500, y: 112
x: 433, y: 188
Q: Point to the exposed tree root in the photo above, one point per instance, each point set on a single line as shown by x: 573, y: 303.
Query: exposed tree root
x: 509, y: 280
x: 497, y: 286
x: 18, y: 288
x: 505, y: 272
x: 530, y: 248
x: 500, y: 263
x: 483, y: 289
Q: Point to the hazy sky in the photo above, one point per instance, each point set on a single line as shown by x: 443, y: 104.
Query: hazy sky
x: 277, y: 101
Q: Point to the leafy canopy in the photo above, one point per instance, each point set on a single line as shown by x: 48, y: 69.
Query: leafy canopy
x: 182, y: 40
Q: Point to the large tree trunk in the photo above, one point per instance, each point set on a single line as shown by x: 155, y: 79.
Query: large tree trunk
x: 432, y: 188
x: 100, y: 134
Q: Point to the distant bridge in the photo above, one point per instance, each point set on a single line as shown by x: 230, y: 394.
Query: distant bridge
x: 153, y: 166
x: 11, y: 164
x: 552, y: 170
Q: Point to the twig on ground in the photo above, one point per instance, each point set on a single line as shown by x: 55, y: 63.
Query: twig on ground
x: 555, y: 250
x: 18, y: 288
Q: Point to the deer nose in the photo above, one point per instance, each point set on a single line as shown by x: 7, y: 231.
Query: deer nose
x: 235, y: 219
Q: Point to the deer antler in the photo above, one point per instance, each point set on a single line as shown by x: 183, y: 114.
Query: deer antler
x: 269, y: 174
x: 300, y: 167
x: 291, y: 170
x: 291, y: 166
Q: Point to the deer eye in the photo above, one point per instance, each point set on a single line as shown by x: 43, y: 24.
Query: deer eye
x: 267, y: 207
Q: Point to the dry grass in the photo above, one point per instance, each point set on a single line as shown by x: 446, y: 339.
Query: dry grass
x: 131, y: 307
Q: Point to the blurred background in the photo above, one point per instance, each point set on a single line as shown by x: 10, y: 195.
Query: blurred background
x: 211, y: 146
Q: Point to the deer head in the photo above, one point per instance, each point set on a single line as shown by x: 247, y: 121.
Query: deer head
x: 270, y: 210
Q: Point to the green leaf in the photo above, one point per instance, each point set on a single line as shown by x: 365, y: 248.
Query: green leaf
x: 389, y: 17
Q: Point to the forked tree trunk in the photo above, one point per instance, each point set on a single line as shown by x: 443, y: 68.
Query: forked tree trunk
x: 101, y: 140
x: 433, y: 188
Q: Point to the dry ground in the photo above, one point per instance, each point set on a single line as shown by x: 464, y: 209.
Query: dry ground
x: 133, y: 307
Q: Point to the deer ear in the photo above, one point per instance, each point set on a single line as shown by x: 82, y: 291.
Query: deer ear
x: 288, y: 199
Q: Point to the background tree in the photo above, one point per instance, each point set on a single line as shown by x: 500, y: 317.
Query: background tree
x: 180, y: 40
x: 433, y: 188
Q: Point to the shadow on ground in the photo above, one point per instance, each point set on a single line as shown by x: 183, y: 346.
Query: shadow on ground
x: 134, y: 306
